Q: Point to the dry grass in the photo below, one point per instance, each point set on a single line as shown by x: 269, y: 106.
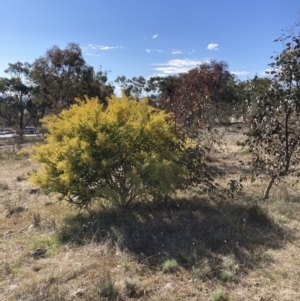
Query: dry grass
x: 196, y: 247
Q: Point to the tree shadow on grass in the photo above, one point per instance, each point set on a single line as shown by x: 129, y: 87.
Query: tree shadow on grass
x: 196, y: 232
x: 220, y: 168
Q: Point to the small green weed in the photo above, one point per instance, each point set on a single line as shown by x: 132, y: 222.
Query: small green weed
x: 268, y: 256
x: 219, y: 296
x: 169, y: 266
x: 230, y: 265
x: 125, y: 264
x: 48, y: 243
x: 227, y: 275
x: 197, y: 273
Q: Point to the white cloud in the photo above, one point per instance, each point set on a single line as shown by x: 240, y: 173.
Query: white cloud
x: 118, y: 91
x: 212, y: 46
x: 155, y: 36
x: 101, y: 47
x: 91, y: 54
x: 156, y: 74
x: 153, y: 50
x: 178, y: 66
x: 176, y: 52
x: 110, y: 47
x: 239, y: 72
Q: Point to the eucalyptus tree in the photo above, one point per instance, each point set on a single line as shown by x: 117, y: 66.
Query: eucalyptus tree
x: 16, y: 104
x: 246, y: 95
x: 161, y: 87
x: 135, y: 87
x: 62, y: 75
x: 273, y: 137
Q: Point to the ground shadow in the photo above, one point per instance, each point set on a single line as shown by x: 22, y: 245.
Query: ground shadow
x: 229, y: 166
x: 194, y: 232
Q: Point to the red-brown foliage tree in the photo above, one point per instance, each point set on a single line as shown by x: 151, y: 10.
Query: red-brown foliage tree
x: 202, y: 96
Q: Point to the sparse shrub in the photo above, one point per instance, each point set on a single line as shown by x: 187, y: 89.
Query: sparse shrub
x: 219, y: 296
x: 119, y: 154
x: 211, y: 142
x: 169, y: 266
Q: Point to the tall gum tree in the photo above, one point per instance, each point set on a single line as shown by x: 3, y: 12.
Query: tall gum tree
x: 61, y: 75
x: 16, y: 105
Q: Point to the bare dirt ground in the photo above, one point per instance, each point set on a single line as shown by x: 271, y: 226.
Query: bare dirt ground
x: 195, y: 247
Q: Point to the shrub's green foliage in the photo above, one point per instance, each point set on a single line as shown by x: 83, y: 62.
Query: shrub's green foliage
x: 115, y: 155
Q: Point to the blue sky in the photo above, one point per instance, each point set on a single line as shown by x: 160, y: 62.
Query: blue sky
x: 148, y: 38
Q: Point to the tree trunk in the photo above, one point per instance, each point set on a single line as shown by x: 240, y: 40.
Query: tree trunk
x: 268, y: 189
x: 21, y: 119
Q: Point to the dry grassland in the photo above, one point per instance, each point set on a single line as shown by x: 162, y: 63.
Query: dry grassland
x: 195, y: 247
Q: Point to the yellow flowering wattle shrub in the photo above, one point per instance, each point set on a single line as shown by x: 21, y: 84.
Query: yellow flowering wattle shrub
x: 122, y: 153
